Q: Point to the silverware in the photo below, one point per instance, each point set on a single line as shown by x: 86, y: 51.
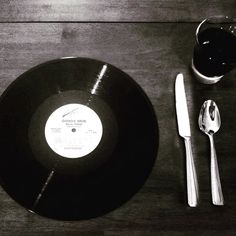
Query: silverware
x: 209, y: 122
x: 184, y: 131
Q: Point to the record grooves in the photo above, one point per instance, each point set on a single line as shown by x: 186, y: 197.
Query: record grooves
x: 78, y: 137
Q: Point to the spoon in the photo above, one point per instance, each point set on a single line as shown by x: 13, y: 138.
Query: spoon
x: 209, y: 122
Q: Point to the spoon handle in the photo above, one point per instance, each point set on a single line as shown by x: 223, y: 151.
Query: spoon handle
x: 216, y: 190
x: 192, y: 184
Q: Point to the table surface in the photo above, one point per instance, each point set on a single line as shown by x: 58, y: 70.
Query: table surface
x: 151, y: 41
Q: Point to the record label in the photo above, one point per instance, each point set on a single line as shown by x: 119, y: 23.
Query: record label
x: 73, y: 130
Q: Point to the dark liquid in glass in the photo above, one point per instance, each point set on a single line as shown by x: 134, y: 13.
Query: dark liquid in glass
x: 215, y: 52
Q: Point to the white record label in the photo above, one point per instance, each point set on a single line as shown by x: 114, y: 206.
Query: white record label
x: 73, y: 130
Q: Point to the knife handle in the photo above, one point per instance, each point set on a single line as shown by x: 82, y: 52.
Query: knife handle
x: 192, y: 183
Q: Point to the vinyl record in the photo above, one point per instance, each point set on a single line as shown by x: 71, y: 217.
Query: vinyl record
x: 78, y: 138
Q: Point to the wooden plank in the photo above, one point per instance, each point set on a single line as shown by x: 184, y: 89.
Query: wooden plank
x: 124, y: 10
x: 152, y: 54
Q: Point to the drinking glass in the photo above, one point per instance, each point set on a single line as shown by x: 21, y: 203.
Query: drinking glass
x: 215, y: 49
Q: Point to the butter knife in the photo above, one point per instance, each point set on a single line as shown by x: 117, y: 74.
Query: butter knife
x: 184, y: 132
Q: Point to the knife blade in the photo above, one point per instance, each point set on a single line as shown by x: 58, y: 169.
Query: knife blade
x: 185, y: 132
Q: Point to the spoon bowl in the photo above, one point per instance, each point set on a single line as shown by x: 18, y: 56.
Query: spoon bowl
x: 209, y: 118
x: 209, y: 122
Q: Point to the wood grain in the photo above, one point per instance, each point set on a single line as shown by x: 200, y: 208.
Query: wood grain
x: 124, y: 10
x: 152, y: 54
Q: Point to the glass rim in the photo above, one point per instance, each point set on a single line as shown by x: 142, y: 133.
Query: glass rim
x: 217, y: 19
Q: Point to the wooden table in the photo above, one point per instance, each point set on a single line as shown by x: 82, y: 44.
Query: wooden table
x: 151, y: 41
